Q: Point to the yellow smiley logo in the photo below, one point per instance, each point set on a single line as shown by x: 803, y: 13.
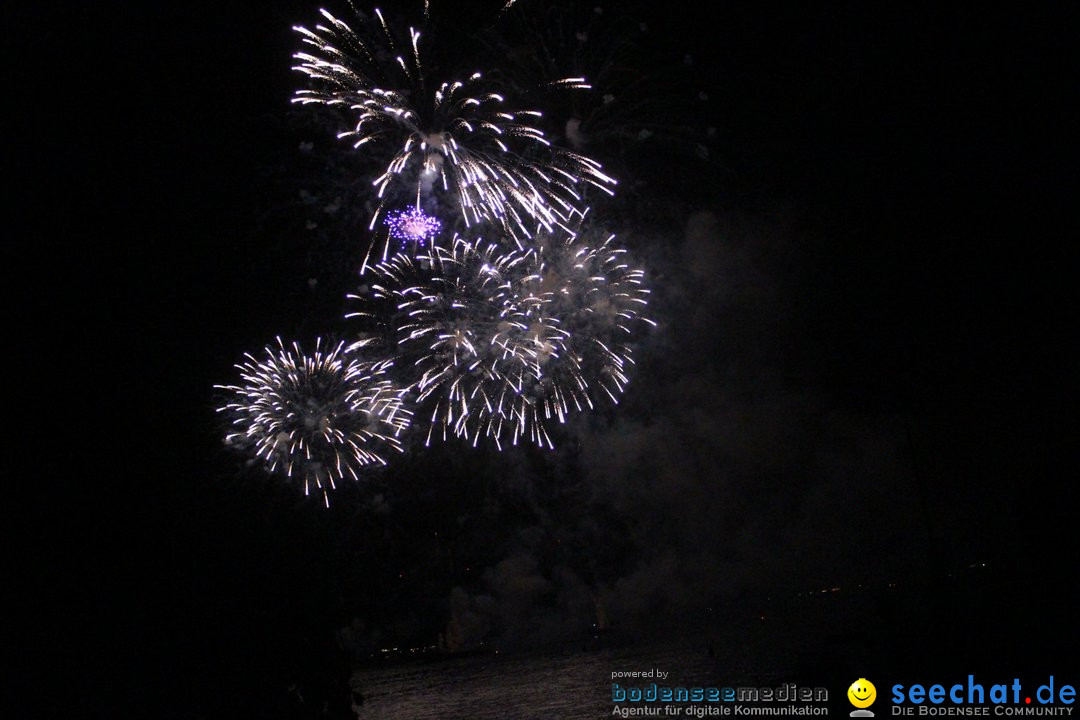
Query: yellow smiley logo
x: 862, y: 693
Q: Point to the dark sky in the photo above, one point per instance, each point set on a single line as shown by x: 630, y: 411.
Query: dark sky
x: 863, y: 294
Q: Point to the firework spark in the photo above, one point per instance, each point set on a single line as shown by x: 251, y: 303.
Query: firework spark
x: 317, y: 418
x: 456, y: 137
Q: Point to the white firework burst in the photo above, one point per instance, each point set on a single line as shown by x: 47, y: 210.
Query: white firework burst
x: 317, y: 418
x: 448, y: 321
x: 458, y: 137
x: 503, y: 344
x: 587, y: 285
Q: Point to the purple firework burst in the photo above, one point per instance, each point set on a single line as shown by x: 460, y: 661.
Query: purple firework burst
x: 412, y: 226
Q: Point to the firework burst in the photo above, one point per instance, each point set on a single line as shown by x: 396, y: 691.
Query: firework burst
x: 447, y: 319
x: 456, y: 137
x: 586, y: 284
x: 317, y: 418
x: 412, y: 227
x: 502, y: 344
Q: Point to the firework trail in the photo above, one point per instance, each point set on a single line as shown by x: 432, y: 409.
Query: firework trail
x: 317, y: 418
x: 457, y: 138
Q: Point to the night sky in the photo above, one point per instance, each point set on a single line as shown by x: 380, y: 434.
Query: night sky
x: 860, y: 373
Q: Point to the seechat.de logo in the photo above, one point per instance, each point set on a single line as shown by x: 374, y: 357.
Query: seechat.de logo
x: 976, y: 698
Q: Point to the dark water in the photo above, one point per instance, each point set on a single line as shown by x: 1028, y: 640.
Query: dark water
x: 573, y: 684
